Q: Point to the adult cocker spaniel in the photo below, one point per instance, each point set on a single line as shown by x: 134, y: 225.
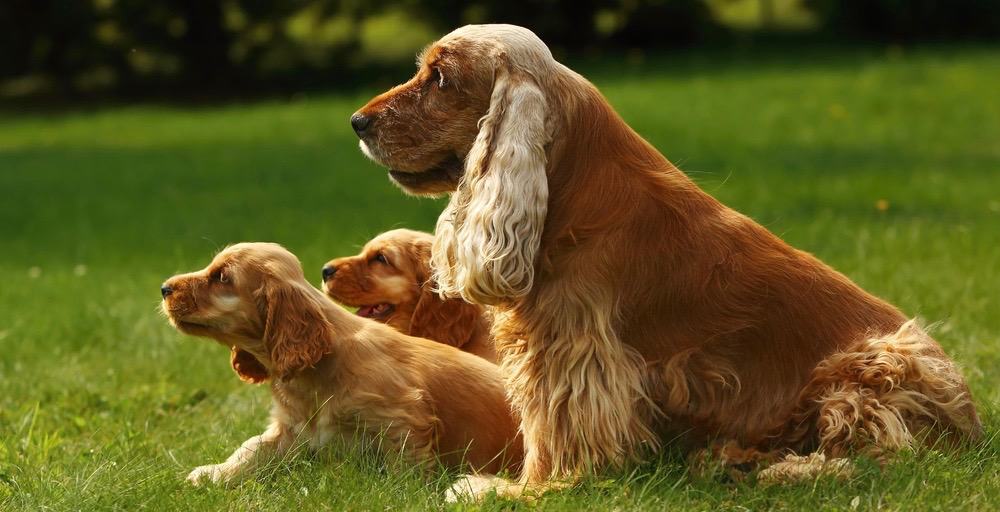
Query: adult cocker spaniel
x: 335, y: 375
x: 629, y: 303
x: 390, y: 281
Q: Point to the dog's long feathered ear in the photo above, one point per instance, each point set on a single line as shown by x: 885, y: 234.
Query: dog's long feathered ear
x: 248, y: 367
x: 448, y: 321
x: 488, y: 236
x: 296, y: 331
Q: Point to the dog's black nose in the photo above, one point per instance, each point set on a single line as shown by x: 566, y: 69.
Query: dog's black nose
x: 166, y: 291
x: 360, y: 123
x: 328, y: 272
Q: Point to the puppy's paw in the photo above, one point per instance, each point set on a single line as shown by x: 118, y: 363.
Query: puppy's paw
x: 475, y: 488
x: 214, y: 473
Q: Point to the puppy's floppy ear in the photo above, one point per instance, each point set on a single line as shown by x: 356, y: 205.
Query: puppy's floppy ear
x: 448, y: 321
x: 248, y: 367
x: 488, y: 236
x: 295, y: 331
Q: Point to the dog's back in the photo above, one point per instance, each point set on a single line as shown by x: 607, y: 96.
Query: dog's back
x: 468, y: 396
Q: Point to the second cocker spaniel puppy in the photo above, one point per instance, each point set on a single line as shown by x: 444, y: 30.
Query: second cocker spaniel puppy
x: 390, y: 281
x: 629, y: 301
x: 333, y: 374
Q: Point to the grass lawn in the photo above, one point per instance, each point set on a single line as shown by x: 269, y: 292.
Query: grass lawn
x: 886, y: 164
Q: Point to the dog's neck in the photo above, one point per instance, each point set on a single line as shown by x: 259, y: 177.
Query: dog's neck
x: 352, y: 344
x: 595, y: 157
x: 339, y: 336
x: 345, y: 340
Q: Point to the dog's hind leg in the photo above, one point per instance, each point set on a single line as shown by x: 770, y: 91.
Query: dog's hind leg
x: 880, y: 396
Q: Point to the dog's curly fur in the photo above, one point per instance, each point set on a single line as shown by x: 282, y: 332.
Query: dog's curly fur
x: 629, y: 302
x: 334, y: 375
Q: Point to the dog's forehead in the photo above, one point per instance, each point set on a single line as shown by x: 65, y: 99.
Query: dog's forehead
x: 460, y: 54
x: 233, y: 255
x: 262, y: 255
x: 395, y: 236
x: 490, y: 38
x: 432, y: 53
x: 491, y: 33
x: 475, y: 46
x: 379, y: 244
x: 462, y: 45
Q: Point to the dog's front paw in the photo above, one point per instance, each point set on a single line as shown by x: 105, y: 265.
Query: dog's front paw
x: 471, y: 488
x: 475, y: 489
x: 214, y: 473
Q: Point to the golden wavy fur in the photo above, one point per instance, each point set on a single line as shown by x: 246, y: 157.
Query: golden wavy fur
x: 629, y: 302
x: 390, y: 281
x: 334, y: 374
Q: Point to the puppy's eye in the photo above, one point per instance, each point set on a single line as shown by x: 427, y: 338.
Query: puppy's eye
x: 220, y: 276
x: 380, y: 257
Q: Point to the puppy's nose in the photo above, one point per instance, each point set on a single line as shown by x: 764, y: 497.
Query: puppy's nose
x: 166, y: 291
x: 328, y: 272
x: 360, y: 123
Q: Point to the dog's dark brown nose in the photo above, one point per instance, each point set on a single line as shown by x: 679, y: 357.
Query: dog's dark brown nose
x: 361, y: 123
x: 166, y: 291
x: 328, y: 272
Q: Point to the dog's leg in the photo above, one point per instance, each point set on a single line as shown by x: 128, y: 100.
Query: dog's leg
x: 881, y: 393
x: 273, y: 442
x: 580, y: 395
x: 879, y: 397
x: 578, y: 389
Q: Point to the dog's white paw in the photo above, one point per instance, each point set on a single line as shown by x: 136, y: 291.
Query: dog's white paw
x: 214, y: 473
x: 474, y: 488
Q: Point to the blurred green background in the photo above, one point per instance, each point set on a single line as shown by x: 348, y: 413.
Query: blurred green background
x: 213, y: 48
x: 138, y: 138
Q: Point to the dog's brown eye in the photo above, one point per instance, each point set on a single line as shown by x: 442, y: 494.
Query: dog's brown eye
x: 379, y: 257
x: 436, y: 77
x: 219, y: 276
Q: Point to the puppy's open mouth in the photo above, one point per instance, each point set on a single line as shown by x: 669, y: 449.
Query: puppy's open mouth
x: 442, y: 177
x: 376, y: 312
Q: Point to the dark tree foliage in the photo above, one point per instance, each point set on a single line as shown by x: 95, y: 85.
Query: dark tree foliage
x: 70, y: 47
x: 909, y: 20
x: 576, y: 24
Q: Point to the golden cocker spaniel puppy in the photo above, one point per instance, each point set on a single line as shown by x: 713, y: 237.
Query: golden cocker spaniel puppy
x: 629, y: 302
x: 334, y: 374
x: 390, y: 281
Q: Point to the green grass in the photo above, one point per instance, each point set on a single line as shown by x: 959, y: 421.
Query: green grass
x: 104, y: 406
